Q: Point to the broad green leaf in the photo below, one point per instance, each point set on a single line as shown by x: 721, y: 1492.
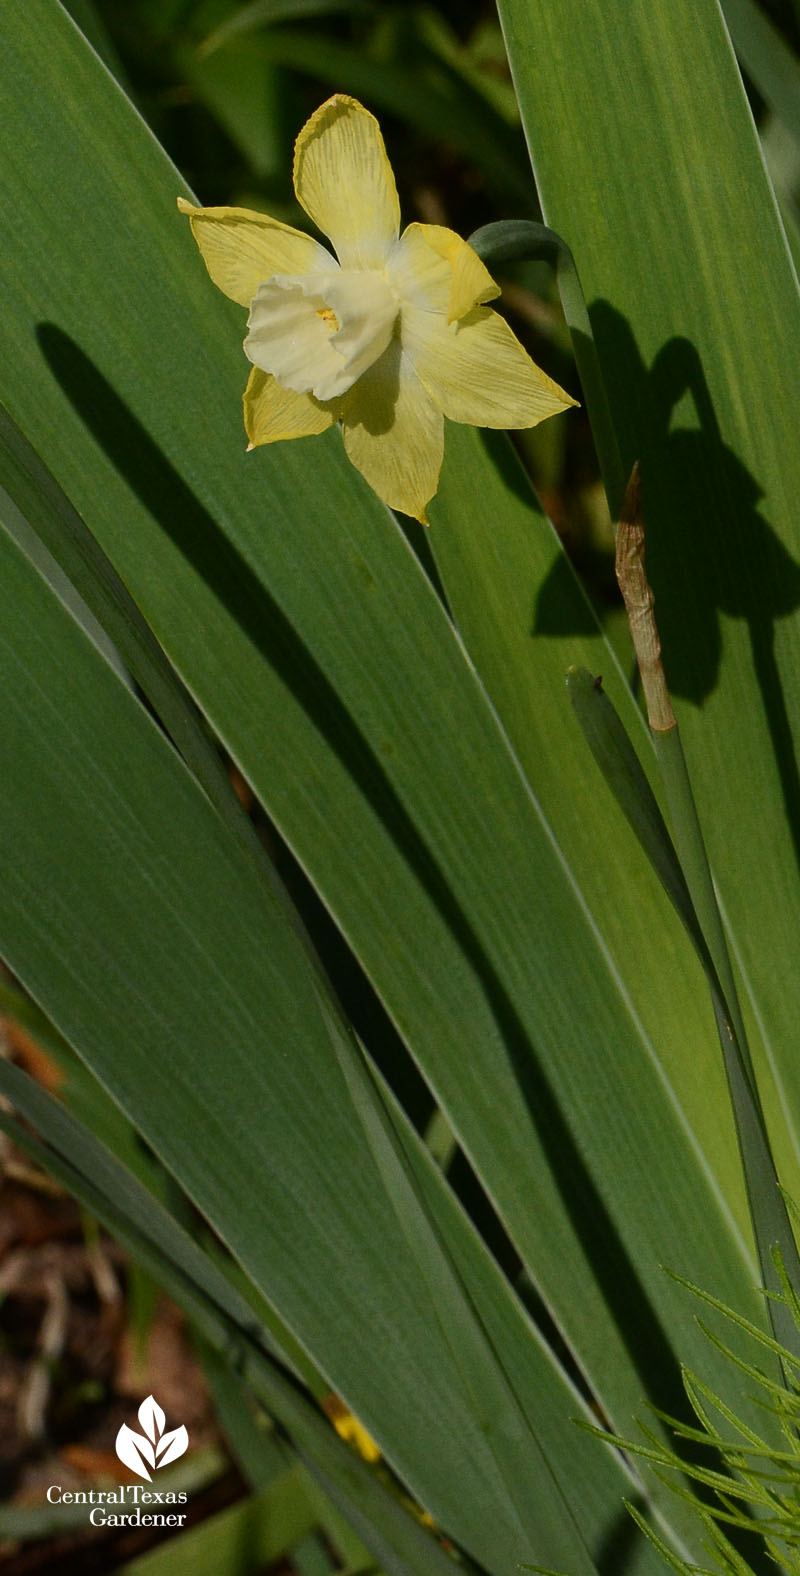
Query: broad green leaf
x: 40, y: 512
x: 694, y: 304
x: 292, y: 607
x: 155, y: 1240
x: 187, y: 991
x: 595, y: 1482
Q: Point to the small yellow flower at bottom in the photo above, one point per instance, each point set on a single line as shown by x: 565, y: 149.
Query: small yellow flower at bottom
x: 388, y: 336
x: 348, y: 1428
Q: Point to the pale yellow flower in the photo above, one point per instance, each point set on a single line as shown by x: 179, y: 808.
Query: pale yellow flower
x: 388, y: 337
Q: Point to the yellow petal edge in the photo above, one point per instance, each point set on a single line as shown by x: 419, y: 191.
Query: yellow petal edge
x: 242, y: 249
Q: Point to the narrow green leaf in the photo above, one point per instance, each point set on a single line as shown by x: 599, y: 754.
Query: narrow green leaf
x: 240, y: 1541
x: 88, y: 1101
x: 244, y: 92
x: 625, y: 775
x: 188, y: 997
x: 58, y: 525
x: 622, y: 771
x: 769, y: 62
x: 265, y: 13
x: 253, y: 1443
x: 590, y: 1486
x: 295, y: 612
x: 514, y: 1444
x: 515, y: 240
x: 154, y: 1238
x: 693, y: 301
x: 428, y: 97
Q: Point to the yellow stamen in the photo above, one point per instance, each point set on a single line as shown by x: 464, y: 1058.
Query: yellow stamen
x: 329, y: 316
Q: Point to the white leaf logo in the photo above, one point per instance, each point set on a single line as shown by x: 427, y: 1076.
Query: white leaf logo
x: 154, y: 1448
x: 170, y: 1446
x: 152, y: 1418
x: 133, y: 1450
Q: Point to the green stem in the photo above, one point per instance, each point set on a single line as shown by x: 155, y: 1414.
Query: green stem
x: 771, y: 1224
x: 692, y: 853
x: 521, y: 240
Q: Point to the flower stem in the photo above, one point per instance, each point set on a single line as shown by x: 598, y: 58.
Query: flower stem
x: 520, y: 240
x: 771, y: 1225
x: 639, y: 606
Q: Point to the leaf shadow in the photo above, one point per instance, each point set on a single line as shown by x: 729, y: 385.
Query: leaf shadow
x: 710, y: 550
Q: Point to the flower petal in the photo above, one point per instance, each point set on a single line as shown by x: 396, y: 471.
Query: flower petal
x: 478, y: 372
x: 242, y: 249
x: 272, y: 413
x: 344, y: 181
x: 432, y: 267
x: 394, y: 434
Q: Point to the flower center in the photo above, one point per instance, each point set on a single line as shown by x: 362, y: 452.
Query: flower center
x: 316, y: 334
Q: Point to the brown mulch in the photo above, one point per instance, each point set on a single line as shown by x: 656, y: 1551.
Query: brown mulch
x: 71, y: 1368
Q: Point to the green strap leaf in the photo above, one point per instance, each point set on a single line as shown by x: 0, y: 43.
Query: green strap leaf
x: 767, y: 59
x: 191, y: 1278
x: 512, y: 240
x: 623, y: 773
x: 292, y: 608
x: 672, y: 256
